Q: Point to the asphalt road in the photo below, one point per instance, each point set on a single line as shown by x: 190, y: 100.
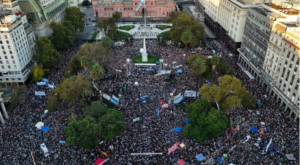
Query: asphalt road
x: 89, y: 27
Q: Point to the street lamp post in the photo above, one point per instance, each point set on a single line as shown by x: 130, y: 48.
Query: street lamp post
x: 165, y: 66
x: 178, y: 47
x: 171, y: 100
x: 161, y: 64
x: 181, y: 148
x: 128, y: 64
x: 184, y: 56
x: 136, y: 84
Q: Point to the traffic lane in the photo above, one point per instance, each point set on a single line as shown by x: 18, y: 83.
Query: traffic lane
x: 87, y: 33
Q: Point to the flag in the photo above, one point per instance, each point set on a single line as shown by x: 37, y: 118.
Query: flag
x: 142, y: 2
x: 104, y: 153
x: 270, y: 142
x: 125, y: 88
x: 157, y: 112
x: 173, y: 148
x: 100, y: 161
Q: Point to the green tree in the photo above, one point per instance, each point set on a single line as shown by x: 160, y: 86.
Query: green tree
x: 248, y: 100
x: 225, y: 68
x: 61, y: 36
x: 73, y: 67
x: 75, y: 89
x: 205, y: 122
x: 106, y: 42
x: 46, y: 55
x: 185, y: 29
x: 37, y: 73
x: 84, y: 62
x: 86, y: 3
x: 76, y: 17
x: 116, y: 16
x: 215, y: 61
x: 102, y: 25
x: 53, y: 100
x: 18, y: 95
x: 97, y: 72
x: 96, y: 53
x: 198, y: 67
x: 97, y: 123
x: 228, y: 94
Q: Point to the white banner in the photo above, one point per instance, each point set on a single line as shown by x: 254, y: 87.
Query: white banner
x: 40, y: 93
x: 189, y: 93
x: 41, y: 83
x: 136, y: 119
x: 107, y: 97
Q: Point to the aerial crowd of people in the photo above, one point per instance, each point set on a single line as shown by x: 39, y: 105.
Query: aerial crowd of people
x: 152, y: 133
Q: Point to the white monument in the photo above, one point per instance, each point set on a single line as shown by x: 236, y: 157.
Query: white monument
x: 143, y: 50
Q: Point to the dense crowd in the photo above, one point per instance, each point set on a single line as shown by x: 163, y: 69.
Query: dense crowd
x: 152, y: 133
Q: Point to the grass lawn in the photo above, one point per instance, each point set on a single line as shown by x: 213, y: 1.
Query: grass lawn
x: 164, y: 34
x: 94, y: 35
x: 128, y: 27
x: 119, y: 35
x: 151, y: 59
x: 163, y: 27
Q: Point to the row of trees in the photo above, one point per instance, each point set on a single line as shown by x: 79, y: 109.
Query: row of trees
x: 77, y: 88
x: 62, y: 37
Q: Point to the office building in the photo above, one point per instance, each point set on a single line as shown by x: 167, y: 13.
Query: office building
x: 40, y: 13
x: 17, y: 45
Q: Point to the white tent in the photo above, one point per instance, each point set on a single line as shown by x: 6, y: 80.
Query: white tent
x: 40, y: 93
x: 39, y: 125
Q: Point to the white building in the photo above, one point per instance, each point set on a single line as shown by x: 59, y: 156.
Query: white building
x: 226, y: 18
x: 17, y: 45
x: 270, y: 51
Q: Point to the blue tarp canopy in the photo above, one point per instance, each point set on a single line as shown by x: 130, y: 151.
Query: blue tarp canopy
x: 179, y: 71
x: 178, y: 100
x: 259, y: 103
x: 143, y: 98
x: 208, y: 82
x: 200, y: 157
x: 219, y: 159
x: 62, y: 142
x: 44, y: 80
x: 45, y: 128
x: 178, y: 129
x: 253, y: 129
x: 186, y: 121
x: 112, y: 100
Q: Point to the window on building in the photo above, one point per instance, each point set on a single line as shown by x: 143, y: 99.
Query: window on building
x: 7, y: 41
x: 5, y: 36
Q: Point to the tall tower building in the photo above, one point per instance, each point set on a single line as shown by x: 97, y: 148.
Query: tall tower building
x: 17, y: 45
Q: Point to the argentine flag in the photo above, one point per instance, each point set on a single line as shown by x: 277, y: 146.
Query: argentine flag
x: 142, y: 2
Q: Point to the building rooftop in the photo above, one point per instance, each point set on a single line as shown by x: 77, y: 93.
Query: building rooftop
x: 285, y: 8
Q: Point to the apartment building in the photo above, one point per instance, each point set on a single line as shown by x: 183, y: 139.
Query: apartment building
x: 127, y: 8
x: 41, y: 13
x: 17, y: 45
x: 270, y: 51
x: 226, y: 19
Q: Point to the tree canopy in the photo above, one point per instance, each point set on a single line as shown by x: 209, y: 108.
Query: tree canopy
x: 18, y: 96
x: 46, y: 55
x: 74, y: 89
x: 205, y: 121
x: 228, y: 94
x: 97, y: 123
x: 76, y: 18
x: 185, y: 29
x: 37, y: 73
x: 62, y: 36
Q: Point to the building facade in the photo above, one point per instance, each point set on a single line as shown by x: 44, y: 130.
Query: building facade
x: 270, y: 51
x: 41, y: 13
x: 226, y: 18
x: 127, y: 8
x: 17, y: 46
